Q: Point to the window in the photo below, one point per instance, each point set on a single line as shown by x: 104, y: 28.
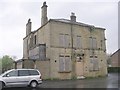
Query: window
x: 94, y: 65
x: 12, y: 73
x: 61, y: 40
x: 61, y: 64
x: 42, y: 51
x: 23, y: 73
x: 101, y: 43
x: 64, y: 63
x: 92, y: 43
x: 67, y: 63
x: 35, y: 41
x: 78, y: 42
x: 64, y: 40
x: 33, y: 72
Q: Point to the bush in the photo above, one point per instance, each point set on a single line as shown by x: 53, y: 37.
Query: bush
x: 114, y: 69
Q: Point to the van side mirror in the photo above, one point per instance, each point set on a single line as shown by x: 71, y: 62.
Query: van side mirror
x: 7, y: 75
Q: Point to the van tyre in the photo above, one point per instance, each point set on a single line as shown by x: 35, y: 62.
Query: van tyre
x: 33, y: 84
x: 2, y: 85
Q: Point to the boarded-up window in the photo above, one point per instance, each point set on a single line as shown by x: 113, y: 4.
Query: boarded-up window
x: 94, y: 64
x: 92, y: 43
x: 42, y: 51
x: 101, y: 43
x: 61, y: 40
x: 64, y: 64
x: 67, y: 63
x: 91, y: 64
x: 78, y: 42
x: 64, y: 40
x: 61, y: 64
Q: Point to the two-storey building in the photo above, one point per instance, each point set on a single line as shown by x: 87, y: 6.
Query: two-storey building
x: 65, y: 49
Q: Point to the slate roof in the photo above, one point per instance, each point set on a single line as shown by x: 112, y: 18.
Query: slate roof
x: 76, y: 23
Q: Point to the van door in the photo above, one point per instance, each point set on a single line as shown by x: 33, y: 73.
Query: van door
x: 23, y: 77
x: 10, y: 78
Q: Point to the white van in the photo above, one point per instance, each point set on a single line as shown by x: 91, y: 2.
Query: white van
x: 21, y: 77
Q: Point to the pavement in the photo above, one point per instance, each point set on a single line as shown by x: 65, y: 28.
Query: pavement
x: 110, y: 81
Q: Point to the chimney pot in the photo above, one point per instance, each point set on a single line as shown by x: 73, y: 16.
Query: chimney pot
x: 73, y: 17
x: 72, y: 14
x: 44, y: 3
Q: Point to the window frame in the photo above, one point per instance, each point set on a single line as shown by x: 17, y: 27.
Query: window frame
x: 78, y: 42
x: 24, y: 74
x: 65, y: 64
x: 92, y: 43
x: 64, y: 40
x: 31, y: 74
x: 11, y: 72
x: 94, y: 64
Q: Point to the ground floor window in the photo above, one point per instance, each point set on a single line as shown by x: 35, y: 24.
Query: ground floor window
x: 64, y: 64
x: 94, y: 64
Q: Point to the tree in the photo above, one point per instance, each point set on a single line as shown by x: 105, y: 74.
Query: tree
x: 6, y: 62
x: 109, y: 59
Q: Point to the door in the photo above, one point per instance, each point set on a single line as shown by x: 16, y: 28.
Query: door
x: 79, y: 69
x: 10, y: 78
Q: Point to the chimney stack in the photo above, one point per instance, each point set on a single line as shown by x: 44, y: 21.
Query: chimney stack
x: 44, y: 18
x: 28, y: 27
x: 73, y: 17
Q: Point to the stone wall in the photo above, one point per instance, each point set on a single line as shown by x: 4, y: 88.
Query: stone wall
x: 42, y: 66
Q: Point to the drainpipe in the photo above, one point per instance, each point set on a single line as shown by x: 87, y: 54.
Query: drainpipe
x: 72, y: 53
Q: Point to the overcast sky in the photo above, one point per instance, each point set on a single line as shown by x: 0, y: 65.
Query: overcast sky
x: 15, y: 13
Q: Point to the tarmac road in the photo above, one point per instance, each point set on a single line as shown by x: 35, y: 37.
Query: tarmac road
x: 111, y: 81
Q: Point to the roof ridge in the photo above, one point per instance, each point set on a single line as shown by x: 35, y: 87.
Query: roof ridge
x: 79, y: 23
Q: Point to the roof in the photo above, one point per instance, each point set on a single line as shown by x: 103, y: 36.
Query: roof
x: 68, y: 22
x: 76, y: 23
x: 115, y: 52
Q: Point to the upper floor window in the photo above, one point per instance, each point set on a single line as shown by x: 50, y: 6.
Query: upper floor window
x: 64, y: 40
x: 92, y: 43
x: 78, y: 42
x: 42, y: 51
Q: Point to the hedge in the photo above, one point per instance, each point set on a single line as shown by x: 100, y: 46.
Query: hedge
x: 114, y: 69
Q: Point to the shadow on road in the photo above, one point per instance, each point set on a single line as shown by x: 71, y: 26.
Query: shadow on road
x: 21, y: 88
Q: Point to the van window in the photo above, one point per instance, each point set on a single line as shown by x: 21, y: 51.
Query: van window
x: 23, y: 73
x: 33, y: 72
x: 12, y: 74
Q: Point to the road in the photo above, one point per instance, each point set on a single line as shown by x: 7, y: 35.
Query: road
x: 111, y: 81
